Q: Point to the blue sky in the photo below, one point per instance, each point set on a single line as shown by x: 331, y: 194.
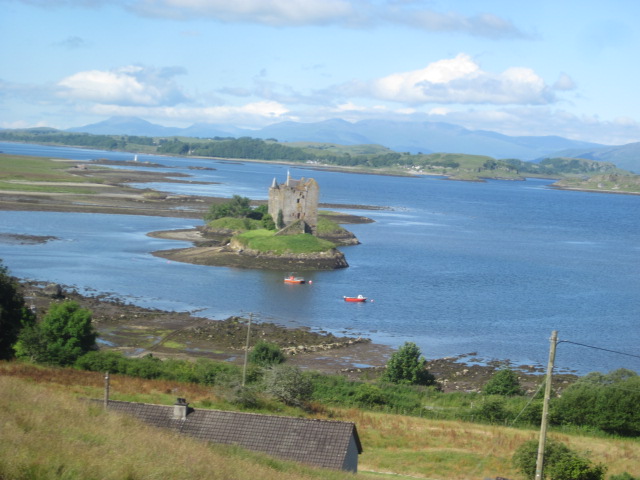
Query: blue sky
x: 559, y: 67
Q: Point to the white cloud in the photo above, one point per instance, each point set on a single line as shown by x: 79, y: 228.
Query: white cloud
x: 252, y: 114
x: 483, y: 25
x: 130, y: 85
x: 564, y: 83
x: 72, y: 42
x: 542, y: 121
x: 461, y: 80
x: 267, y: 12
x: 293, y: 13
x: 350, y: 13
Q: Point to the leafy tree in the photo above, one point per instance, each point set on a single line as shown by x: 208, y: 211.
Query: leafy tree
x: 607, y: 402
x: 14, y: 315
x: 259, y: 212
x: 408, y: 366
x: 266, y: 354
x: 288, y: 384
x: 560, y: 462
x: 503, y: 382
x: 237, y: 207
x: 64, y: 334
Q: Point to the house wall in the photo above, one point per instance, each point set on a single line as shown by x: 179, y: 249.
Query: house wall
x: 351, y: 458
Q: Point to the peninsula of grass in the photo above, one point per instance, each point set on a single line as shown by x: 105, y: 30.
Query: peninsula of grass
x: 266, y: 241
x: 328, y: 227
x: 33, y: 174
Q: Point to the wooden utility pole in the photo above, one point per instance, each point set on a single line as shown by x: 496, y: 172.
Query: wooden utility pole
x: 106, y: 390
x: 246, y: 351
x: 545, y: 406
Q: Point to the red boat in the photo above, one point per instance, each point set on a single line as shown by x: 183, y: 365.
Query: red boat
x: 292, y: 279
x: 359, y: 298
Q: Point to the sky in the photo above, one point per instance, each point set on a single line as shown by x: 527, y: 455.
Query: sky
x: 550, y: 67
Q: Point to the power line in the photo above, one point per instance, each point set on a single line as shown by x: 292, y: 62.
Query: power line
x: 600, y: 348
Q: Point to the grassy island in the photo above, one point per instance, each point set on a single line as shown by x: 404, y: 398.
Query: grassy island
x: 268, y: 242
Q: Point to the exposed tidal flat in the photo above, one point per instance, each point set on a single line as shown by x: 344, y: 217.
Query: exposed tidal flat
x: 456, y: 267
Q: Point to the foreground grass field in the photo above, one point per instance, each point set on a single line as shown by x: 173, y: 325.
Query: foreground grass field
x: 48, y: 432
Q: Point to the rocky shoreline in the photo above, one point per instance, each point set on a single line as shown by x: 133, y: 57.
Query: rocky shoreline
x: 210, y: 252
x: 135, y: 330
x: 138, y: 331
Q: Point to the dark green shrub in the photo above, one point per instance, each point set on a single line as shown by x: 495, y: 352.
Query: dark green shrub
x: 14, y: 315
x: 503, y: 382
x: 560, y: 462
x: 268, y: 223
x: 333, y: 389
x: 216, y: 373
x: 492, y: 410
x: 99, y: 361
x: 573, y: 467
x: 623, y: 476
x: 607, y: 402
x: 367, y: 395
x: 266, y: 354
x: 237, y: 207
x: 203, y: 371
x: 148, y: 367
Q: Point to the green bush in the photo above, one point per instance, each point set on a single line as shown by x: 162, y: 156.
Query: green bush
x: 203, y: 371
x: 98, y: 361
x: 268, y: 223
x: 288, y: 384
x: 503, y: 382
x: 148, y: 367
x: 237, y: 207
x: 333, y: 389
x: 623, y: 476
x: 367, y: 395
x: 560, y: 462
x: 607, y: 402
x: 408, y: 366
x: 266, y: 354
x: 492, y: 410
x: 64, y: 334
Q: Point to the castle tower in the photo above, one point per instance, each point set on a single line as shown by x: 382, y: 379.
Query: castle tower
x: 298, y: 202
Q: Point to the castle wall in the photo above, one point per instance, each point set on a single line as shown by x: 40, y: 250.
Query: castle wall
x: 298, y: 200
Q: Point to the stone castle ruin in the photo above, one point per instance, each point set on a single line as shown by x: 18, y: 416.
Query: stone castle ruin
x: 294, y: 205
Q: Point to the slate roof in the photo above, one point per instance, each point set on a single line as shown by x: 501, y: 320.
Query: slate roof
x: 322, y: 443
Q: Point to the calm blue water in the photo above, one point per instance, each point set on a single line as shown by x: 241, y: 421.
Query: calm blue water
x: 456, y: 267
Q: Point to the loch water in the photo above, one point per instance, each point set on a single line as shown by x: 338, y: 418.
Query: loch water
x: 457, y: 267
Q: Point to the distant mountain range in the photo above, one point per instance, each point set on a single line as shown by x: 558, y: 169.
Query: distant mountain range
x: 413, y: 137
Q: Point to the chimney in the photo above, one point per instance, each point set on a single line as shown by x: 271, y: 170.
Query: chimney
x: 180, y: 409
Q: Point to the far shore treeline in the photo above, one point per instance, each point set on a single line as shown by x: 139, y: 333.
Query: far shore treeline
x: 456, y: 166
